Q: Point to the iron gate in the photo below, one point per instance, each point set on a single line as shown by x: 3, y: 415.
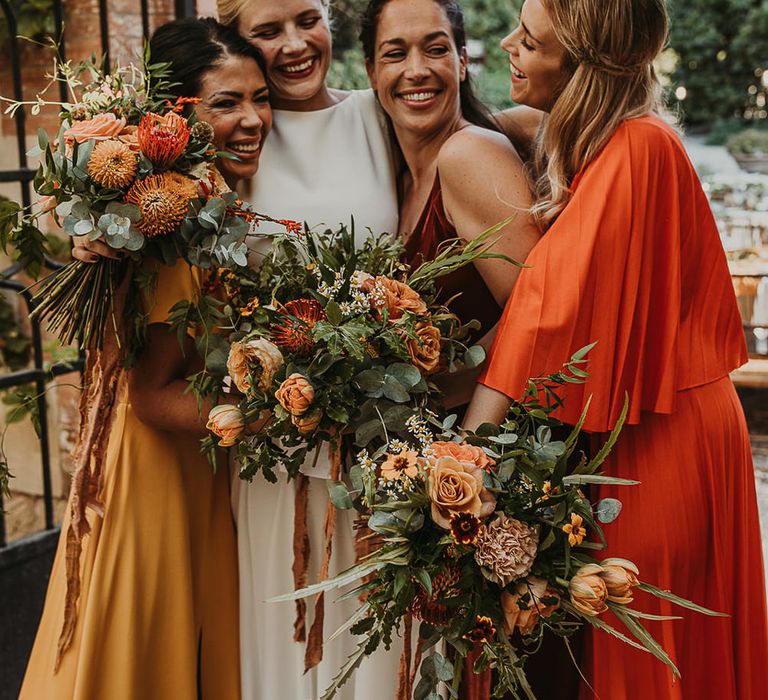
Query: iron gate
x: 25, y: 564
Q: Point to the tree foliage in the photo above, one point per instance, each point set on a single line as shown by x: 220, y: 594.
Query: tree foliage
x: 722, y: 50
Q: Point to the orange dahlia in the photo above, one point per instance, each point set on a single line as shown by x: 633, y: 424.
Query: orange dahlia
x: 294, y: 331
x: 162, y: 202
x: 432, y: 609
x: 163, y: 139
x: 112, y: 164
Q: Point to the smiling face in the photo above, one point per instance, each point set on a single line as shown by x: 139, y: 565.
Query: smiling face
x: 417, y: 68
x: 537, y: 59
x: 295, y: 39
x: 235, y: 102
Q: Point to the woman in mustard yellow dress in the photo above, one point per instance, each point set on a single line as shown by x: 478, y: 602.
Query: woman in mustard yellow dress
x: 157, y: 615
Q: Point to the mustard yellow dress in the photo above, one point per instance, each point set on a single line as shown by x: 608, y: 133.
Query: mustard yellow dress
x: 158, y: 612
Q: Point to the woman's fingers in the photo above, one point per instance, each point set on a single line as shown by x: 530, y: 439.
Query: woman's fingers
x: 90, y: 251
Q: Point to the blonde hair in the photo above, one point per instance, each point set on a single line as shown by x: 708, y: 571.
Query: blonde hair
x: 229, y: 10
x: 610, y: 46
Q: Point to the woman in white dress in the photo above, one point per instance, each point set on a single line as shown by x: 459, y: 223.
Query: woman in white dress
x: 328, y: 159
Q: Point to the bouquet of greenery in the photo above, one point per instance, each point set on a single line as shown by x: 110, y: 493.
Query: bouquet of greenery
x: 483, y: 539
x: 129, y: 168
x: 328, y: 336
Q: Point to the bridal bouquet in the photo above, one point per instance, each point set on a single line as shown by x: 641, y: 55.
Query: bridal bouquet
x: 126, y: 167
x: 328, y: 336
x: 486, y: 541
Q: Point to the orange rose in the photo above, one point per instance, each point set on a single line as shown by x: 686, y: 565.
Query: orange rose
x: 424, y: 350
x: 227, y: 422
x: 463, y: 453
x: 308, y: 422
x: 398, y: 298
x: 525, y: 620
x: 457, y: 487
x: 250, y: 356
x: 295, y: 394
x: 100, y: 128
x: 129, y: 137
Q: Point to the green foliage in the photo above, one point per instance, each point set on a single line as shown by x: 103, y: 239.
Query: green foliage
x: 751, y: 142
x: 720, y: 46
x: 34, y: 18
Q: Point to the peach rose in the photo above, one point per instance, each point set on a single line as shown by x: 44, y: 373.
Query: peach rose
x: 100, y: 128
x: 308, y: 422
x: 588, y: 590
x: 398, y: 298
x: 525, y: 620
x: 226, y: 422
x: 463, y: 452
x: 620, y: 576
x: 295, y: 394
x: 129, y: 136
x: 242, y: 357
x: 457, y: 487
x: 424, y: 350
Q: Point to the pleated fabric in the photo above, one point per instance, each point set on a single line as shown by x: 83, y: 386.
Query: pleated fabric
x: 158, y: 615
x: 635, y: 264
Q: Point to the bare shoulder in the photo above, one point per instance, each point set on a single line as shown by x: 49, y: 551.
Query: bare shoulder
x: 520, y: 124
x: 476, y: 150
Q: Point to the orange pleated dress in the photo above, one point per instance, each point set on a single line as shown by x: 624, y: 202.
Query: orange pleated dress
x: 157, y: 617
x: 635, y: 263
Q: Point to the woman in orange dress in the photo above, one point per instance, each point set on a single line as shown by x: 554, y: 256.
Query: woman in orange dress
x: 631, y: 260
x: 157, y: 615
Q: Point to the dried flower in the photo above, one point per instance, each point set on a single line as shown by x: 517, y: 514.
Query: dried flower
x: 396, y: 466
x: 79, y: 113
x: 540, y: 602
x: 112, y: 164
x: 575, y: 530
x: 424, y: 350
x: 308, y: 422
x: 433, y: 609
x: 162, y: 202
x: 294, y: 331
x: 162, y: 139
x: 464, y: 528
x: 457, y: 487
x: 250, y: 308
x: 227, y: 422
x: 483, y: 631
x: 100, y: 128
x: 588, y: 590
x: 620, y: 576
x: 295, y: 394
x: 462, y: 452
x: 202, y: 131
x: 506, y: 549
x: 256, y: 356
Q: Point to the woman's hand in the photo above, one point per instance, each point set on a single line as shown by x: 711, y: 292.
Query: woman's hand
x: 89, y: 251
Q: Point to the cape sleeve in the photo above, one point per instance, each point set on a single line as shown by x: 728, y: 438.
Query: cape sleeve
x: 618, y: 268
x: 174, y: 283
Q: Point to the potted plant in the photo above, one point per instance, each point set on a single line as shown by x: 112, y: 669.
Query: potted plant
x: 750, y: 150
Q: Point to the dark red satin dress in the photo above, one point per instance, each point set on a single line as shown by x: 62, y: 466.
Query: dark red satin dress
x: 474, y: 300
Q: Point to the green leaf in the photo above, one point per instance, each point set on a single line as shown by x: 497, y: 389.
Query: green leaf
x: 394, y: 390
x: 339, y: 495
x: 475, y: 356
x: 677, y: 600
x: 407, y: 375
x: 580, y: 479
x: 333, y: 312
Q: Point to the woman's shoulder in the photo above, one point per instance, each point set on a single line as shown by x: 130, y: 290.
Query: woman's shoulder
x: 475, y: 146
x: 649, y: 137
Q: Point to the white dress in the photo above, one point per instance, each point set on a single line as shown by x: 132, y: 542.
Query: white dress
x: 321, y: 167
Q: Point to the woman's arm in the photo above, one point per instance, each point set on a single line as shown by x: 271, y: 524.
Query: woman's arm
x: 483, y: 183
x: 157, y: 383
x: 487, y: 406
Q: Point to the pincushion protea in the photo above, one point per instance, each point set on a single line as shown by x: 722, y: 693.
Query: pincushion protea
x: 428, y: 608
x: 163, y: 139
x: 294, y: 331
x: 163, y: 201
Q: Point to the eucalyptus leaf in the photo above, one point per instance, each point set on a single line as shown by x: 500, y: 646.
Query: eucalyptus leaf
x: 475, y: 356
x: 608, y: 510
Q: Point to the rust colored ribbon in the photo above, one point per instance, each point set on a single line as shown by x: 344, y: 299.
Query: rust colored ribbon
x: 474, y: 686
x: 301, y: 551
x: 104, y: 381
x: 314, y: 651
x: 406, y: 676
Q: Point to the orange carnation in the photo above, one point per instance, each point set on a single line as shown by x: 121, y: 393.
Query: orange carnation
x: 399, y: 298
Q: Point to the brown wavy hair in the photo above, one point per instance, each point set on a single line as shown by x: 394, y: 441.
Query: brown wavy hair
x: 610, y: 47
